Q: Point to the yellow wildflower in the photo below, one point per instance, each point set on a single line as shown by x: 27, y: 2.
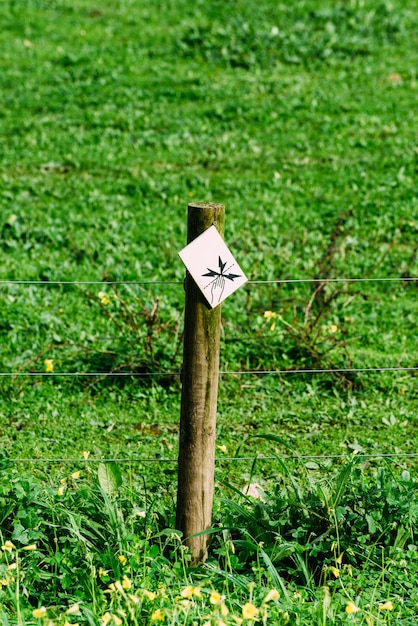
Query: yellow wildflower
x: 117, y: 620
x: 222, y: 448
x: 61, y: 490
x: 49, y: 365
x: 133, y: 598
x: 103, y: 297
x: 8, y: 546
x: 118, y: 586
x: 351, y: 608
x: 157, y: 616
x: 86, y: 454
x: 269, y: 315
x: 122, y: 559
x: 76, y: 475
x: 224, y: 610
x: 103, y: 572
x: 335, y: 571
x: 189, y: 591
x: 387, y: 606
x: 273, y: 594
x: 126, y: 582
x: 39, y: 613
x: 72, y: 610
x: 32, y: 546
x: 106, y: 619
x: 249, y: 611
x: 333, y: 328
x: 149, y: 594
x: 215, y: 598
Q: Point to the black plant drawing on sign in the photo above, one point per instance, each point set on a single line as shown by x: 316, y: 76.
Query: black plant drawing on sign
x: 220, y: 277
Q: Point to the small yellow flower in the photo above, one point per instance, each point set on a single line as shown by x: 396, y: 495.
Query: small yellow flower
x: 340, y: 558
x: 118, y: 586
x: 335, y: 571
x: 222, y: 448
x: 149, y: 594
x: 387, y: 606
x: 122, y: 559
x: 273, y: 594
x: 32, y: 546
x: 11, y: 567
x: 63, y: 481
x: 39, y: 613
x: 157, y: 616
x: 117, y: 620
x: 76, y: 475
x: 103, y: 297
x: 72, y: 610
x: 189, y: 591
x: 333, y: 328
x: 224, y: 610
x: 106, y: 619
x: 133, y: 598
x: 49, y: 365
x: 249, y: 611
x: 126, y: 582
x: 269, y: 315
x: 8, y: 546
x: 351, y: 608
x: 86, y: 454
x: 215, y: 598
x: 61, y: 490
x: 103, y: 572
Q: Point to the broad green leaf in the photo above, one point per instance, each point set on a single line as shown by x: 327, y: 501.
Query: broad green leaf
x: 110, y: 478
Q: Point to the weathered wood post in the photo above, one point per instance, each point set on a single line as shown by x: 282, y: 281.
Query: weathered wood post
x: 196, y: 462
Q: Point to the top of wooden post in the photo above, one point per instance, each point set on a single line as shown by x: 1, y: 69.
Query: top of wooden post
x: 214, y: 206
x: 201, y: 215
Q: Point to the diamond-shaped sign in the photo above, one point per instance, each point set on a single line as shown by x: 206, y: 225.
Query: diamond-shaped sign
x: 212, y: 266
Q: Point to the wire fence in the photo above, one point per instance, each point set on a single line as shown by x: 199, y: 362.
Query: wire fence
x: 228, y: 459
x: 250, y: 372
x: 178, y: 282
x: 341, y: 370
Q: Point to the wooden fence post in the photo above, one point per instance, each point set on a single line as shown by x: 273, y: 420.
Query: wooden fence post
x: 196, y: 462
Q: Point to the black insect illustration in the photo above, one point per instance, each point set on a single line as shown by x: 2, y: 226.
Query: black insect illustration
x: 218, y: 284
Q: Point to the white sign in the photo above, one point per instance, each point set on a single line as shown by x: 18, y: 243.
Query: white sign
x: 212, y: 266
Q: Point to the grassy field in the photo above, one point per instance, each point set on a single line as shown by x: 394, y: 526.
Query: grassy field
x: 301, y: 119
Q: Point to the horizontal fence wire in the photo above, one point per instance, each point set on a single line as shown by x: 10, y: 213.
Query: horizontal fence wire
x: 230, y: 459
x: 341, y: 370
x: 175, y: 282
x: 222, y: 372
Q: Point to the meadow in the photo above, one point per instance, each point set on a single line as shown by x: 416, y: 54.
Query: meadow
x: 301, y: 118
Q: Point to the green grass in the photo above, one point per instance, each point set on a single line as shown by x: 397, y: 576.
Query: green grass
x: 299, y: 117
